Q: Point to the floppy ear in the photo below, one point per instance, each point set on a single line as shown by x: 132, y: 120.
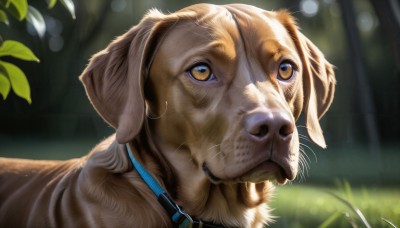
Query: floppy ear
x: 319, y: 87
x: 318, y: 81
x: 114, y: 78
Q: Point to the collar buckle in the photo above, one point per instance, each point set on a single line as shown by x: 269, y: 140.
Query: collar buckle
x: 178, y: 216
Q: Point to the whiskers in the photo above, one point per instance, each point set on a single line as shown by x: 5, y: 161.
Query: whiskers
x: 304, y: 158
x: 182, y: 145
x: 216, y: 150
x: 211, y: 149
x: 303, y: 164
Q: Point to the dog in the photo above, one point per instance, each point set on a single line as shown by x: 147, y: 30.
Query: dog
x: 204, y: 102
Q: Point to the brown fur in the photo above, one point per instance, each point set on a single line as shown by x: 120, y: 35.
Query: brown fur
x: 192, y: 136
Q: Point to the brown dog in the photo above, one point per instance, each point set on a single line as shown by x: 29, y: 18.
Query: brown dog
x: 206, y: 99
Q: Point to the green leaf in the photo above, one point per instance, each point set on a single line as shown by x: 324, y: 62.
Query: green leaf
x: 5, y: 3
x: 17, y: 50
x: 4, y: 85
x: 19, y: 83
x: 51, y: 3
x: 69, y: 5
x: 4, y: 18
x: 18, y: 8
x: 35, y: 18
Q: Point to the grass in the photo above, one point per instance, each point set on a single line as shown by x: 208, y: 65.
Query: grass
x: 313, y: 206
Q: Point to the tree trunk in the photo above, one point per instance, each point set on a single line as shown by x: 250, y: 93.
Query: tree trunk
x: 388, y: 12
x: 364, y: 98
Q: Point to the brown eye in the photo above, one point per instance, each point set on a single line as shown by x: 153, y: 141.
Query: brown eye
x: 201, y: 72
x: 285, y: 71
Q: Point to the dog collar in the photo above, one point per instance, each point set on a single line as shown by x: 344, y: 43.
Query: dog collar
x: 178, y: 216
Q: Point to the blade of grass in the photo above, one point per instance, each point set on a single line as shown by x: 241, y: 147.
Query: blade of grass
x: 349, y: 193
x: 389, y: 222
x: 330, y: 219
x: 354, y: 209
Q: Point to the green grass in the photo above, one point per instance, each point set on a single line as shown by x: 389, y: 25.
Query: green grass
x: 312, y: 206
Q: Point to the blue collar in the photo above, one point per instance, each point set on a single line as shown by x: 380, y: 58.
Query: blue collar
x: 178, y: 216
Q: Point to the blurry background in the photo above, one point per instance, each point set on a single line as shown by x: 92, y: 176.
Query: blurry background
x: 362, y: 128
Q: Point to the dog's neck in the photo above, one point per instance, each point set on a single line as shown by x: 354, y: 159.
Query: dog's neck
x: 230, y: 204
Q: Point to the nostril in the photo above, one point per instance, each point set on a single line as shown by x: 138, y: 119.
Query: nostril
x: 262, y: 131
x: 258, y: 124
x: 285, y: 130
x: 285, y: 126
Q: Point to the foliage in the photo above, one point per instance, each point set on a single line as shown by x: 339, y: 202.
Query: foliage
x: 11, y: 76
x: 314, y: 206
x: 355, y: 217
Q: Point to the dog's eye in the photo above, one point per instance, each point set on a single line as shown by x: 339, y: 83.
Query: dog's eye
x: 285, y: 71
x: 201, y: 72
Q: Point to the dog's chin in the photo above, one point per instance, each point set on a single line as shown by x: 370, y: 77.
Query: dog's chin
x: 266, y: 171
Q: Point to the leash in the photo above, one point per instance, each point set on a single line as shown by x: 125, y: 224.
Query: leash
x: 178, y: 216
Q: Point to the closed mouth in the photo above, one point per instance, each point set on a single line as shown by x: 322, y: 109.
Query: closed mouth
x: 209, y: 174
x: 267, y: 170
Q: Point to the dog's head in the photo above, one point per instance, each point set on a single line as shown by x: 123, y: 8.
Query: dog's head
x: 219, y: 85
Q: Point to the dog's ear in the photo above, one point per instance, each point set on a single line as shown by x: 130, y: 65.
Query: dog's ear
x: 318, y: 80
x: 319, y: 87
x: 115, y: 77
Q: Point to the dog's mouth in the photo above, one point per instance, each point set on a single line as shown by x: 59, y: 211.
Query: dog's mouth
x: 267, y: 170
x: 210, y: 175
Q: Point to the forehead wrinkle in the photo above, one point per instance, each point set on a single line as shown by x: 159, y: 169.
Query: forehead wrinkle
x: 269, y: 48
x: 222, y: 38
x: 244, y: 61
x: 256, y: 26
x: 273, y: 50
x: 278, y: 35
x: 221, y: 48
x: 216, y: 31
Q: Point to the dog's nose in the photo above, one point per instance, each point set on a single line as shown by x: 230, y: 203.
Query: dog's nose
x: 261, y: 125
